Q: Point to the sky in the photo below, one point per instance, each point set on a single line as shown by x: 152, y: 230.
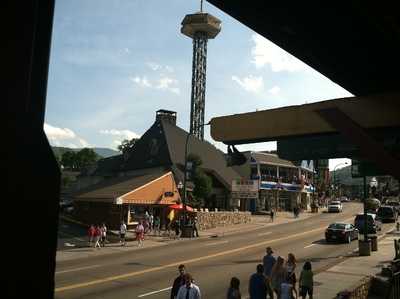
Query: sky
x: 114, y: 63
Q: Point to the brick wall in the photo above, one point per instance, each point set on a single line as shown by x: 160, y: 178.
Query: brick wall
x: 209, y: 220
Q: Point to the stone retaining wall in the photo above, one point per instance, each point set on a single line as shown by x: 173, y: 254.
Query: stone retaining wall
x: 207, y: 220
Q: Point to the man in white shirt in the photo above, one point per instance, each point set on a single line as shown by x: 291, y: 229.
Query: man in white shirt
x: 122, y: 233
x: 189, y: 290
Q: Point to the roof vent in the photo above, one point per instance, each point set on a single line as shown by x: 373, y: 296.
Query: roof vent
x: 166, y: 115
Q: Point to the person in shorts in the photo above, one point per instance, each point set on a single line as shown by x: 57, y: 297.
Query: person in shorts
x: 306, y: 281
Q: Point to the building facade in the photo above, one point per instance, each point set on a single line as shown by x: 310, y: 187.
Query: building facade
x: 282, y: 185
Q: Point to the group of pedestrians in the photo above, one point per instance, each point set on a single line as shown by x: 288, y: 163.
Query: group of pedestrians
x: 178, y: 223
x: 97, y: 235
x: 184, y: 287
x: 140, y: 231
x: 277, y: 277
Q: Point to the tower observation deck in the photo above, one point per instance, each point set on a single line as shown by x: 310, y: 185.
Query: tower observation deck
x: 200, y: 27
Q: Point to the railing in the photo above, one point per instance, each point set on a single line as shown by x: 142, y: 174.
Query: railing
x: 395, y: 286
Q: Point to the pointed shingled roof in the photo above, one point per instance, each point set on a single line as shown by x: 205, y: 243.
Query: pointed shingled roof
x: 163, y: 145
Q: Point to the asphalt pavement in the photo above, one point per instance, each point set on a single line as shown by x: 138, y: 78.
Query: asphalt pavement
x: 149, y: 272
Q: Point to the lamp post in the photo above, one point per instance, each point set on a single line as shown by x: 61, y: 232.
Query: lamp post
x: 334, y: 176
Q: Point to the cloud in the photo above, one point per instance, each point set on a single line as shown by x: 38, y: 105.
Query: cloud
x: 64, y: 137
x: 123, y: 134
x: 166, y: 82
x: 274, y: 90
x: 265, y: 53
x: 54, y: 133
x: 157, y: 67
x: 141, y: 81
x: 250, y: 83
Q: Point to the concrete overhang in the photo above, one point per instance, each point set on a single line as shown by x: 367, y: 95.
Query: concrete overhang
x: 370, y: 112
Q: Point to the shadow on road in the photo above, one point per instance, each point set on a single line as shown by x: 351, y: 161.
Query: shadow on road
x: 323, y: 242
x: 257, y: 261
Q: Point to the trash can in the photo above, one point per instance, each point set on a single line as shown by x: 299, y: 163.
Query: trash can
x: 187, y: 231
x: 364, y: 247
x: 374, y: 243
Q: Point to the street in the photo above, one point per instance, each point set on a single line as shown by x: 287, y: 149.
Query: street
x: 149, y: 272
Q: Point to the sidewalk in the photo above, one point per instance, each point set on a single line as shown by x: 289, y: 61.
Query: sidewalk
x: 348, y: 274
x: 81, y: 250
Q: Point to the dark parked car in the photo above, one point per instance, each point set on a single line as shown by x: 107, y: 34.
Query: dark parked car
x: 373, y: 224
x: 394, y: 204
x: 341, y: 232
x: 387, y: 213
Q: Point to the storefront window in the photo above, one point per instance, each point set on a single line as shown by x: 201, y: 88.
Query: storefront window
x: 268, y: 173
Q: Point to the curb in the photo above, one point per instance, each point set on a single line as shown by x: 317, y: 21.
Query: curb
x: 71, y: 220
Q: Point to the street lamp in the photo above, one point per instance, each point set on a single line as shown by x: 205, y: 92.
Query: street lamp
x: 334, y: 176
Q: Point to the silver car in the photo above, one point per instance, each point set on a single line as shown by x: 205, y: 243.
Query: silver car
x: 335, y: 206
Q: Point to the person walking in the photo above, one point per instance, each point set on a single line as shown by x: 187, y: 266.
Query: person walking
x: 306, y: 281
x: 97, y: 236
x: 151, y: 222
x: 157, y: 225
x: 291, y: 267
x: 189, y: 290
x: 195, y: 227
x: 140, y: 233
x: 278, y: 274
x: 91, y: 232
x: 178, y: 282
x: 177, y: 225
x: 103, y: 234
x: 268, y: 262
x: 257, y: 284
x: 272, y: 214
x: 288, y: 291
x: 122, y: 233
x: 234, y: 290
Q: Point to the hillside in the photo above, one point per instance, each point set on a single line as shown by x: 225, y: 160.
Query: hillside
x: 101, y: 151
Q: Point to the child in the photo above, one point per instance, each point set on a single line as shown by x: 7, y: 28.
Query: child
x: 306, y: 281
x: 288, y: 290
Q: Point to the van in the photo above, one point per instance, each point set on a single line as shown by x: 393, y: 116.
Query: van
x: 373, y: 224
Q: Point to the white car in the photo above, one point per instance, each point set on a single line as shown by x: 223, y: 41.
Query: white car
x: 344, y: 199
x: 335, y: 206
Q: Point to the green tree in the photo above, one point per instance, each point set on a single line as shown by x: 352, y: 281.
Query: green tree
x: 68, y: 160
x: 202, y: 182
x: 202, y: 188
x: 127, y: 144
x: 86, y: 157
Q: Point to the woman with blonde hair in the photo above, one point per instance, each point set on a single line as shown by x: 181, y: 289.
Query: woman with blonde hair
x: 278, y: 274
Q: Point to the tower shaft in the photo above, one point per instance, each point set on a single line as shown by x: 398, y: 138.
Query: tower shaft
x: 197, y: 102
x: 200, y: 27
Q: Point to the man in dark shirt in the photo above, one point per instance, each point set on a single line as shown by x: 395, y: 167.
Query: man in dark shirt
x: 268, y: 262
x: 257, y: 284
x: 178, y: 282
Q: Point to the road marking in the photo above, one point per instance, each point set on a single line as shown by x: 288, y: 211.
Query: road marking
x: 155, y: 292
x: 309, y: 246
x: 264, y: 234
x: 77, y: 269
x: 189, y: 261
x: 216, y: 243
